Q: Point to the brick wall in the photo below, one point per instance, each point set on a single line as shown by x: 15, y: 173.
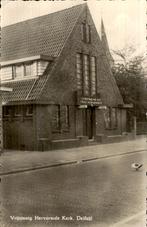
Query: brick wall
x: 19, y: 132
x: 1, y: 126
x: 61, y: 86
x: 62, y: 82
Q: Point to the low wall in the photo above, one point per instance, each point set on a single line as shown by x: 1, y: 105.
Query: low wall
x: 141, y: 128
x: 45, y: 144
x: 114, y: 138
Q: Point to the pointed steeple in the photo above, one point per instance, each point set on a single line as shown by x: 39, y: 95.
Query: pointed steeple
x: 105, y: 44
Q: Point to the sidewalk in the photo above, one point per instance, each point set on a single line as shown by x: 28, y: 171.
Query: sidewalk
x: 17, y: 161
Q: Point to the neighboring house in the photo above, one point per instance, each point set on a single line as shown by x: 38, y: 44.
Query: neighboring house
x: 64, y: 93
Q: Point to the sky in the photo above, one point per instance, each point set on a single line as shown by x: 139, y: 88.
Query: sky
x: 124, y: 20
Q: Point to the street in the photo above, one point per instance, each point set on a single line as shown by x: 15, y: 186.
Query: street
x: 95, y: 193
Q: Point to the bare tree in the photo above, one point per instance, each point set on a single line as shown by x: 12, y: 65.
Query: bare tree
x: 129, y: 74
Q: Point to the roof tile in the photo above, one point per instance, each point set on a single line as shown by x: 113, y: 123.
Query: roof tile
x: 20, y: 90
x: 42, y: 35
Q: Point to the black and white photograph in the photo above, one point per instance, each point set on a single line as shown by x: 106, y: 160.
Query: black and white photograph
x: 73, y: 113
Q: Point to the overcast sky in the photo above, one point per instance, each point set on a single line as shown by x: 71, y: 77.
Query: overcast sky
x: 124, y: 20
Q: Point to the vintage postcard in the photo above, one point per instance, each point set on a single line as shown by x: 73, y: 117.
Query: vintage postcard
x: 73, y: 113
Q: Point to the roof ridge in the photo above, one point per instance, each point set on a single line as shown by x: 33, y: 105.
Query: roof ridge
x: 30, y: 19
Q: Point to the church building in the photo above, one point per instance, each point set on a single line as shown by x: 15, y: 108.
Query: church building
x: 63, y: 92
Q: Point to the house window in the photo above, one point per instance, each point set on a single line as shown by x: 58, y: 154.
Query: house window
x: 17, y: 111
x: 18, y: 71
x: 28, y: 69
x: 86, y: 75
x: 64, y: 117
x: 29, y: 110
x: 79, y: 70
x: 60, y: 118
x: 93, y: 75
x: 56, y: 117
x: 7, y: 111
x: 86, y: 33
x: 110, y: 117
x: 6, y: 73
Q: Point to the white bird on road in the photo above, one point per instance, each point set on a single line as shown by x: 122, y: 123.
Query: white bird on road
x: 136, y: 166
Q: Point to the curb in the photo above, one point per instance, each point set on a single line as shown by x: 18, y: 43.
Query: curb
x: 113, y: 155
x: 36, y: 168
x: 66, y: 163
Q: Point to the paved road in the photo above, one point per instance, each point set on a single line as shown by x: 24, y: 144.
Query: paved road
x: 106, y: 191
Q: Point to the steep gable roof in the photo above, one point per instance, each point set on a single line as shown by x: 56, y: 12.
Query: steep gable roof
x: 45, y: 35
x: 42, y: 35
x: 105, y: 44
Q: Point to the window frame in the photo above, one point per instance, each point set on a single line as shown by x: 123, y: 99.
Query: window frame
x: 15, y: 108
x: 62, y: 119
x: 14, y: 71
x: 4, y: 111
x: 57, y: 119
x: 25, y: 68
x: 91, y: 77
x: 64, y: 127
x: 112, y: 122
x: 27, y: 114
x: 86, y: 32
x: 79, y: 71
x: 81, y: 85
x: 86, y: 76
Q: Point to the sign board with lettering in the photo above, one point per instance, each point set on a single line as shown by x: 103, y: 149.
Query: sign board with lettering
x: 89, y: 101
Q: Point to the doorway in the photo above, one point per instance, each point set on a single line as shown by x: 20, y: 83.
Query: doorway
x: 88, y: 122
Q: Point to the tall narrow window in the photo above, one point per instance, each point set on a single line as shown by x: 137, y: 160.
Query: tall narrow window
x: 79, y: 70
x: 113, y: 117
x: 64, y: 117
x: 83, y: 31
x: 93, y: 75
x: 86, y: 74
x: 56, y: 117
x: 86, y: 33
x: 107, y: 118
